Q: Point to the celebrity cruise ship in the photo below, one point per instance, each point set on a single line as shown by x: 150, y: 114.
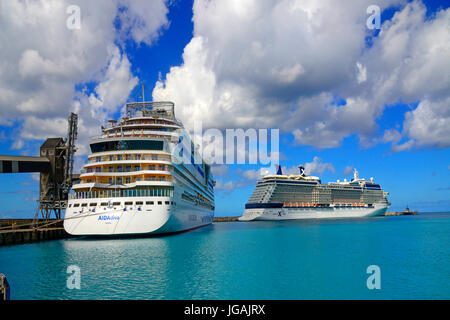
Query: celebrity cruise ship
x: 143, y: 176
x: 282, y: 197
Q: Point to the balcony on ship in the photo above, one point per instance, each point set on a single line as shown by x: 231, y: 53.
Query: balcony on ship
x: 127, y: 157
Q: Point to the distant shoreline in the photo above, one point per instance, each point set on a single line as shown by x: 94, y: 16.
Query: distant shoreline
x: 225, y: 219
x: 402, y: 213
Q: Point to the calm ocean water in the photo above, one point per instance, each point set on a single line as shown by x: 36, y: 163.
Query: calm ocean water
x: 246, y: 260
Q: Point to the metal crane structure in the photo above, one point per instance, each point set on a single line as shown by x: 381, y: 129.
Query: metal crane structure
x: 56, y: 183
x: 72, y: 134
x: 55, y: 165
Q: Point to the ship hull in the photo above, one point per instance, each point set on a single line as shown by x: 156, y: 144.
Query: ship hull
x: 136, y: 220
x: 312, y: 213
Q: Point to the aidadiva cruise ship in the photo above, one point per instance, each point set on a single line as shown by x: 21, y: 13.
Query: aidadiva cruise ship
x: 134, y: 181
x: 282, y: 197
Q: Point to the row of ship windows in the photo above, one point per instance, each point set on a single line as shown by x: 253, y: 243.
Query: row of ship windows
x: 138, y: 132
x: 153, y: 192
x: 130, y: 168
x: 129, y: 180
x: 147, y: 121
x: 126, y: 203
x: 128, y: 157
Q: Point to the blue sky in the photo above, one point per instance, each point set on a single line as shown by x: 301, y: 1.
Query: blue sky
x: 342, y: 96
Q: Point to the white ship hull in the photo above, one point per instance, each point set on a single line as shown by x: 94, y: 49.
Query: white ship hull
x: 143, y: 177
x: 312, y: 213
x: 132, y: 220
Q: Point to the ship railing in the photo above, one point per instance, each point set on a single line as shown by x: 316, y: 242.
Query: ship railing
x: 120, y: 180
x: 137, y: 134
x: 127, y: 158
x: 161, y: 167
x: 151, y: 108
x: 138, y: 121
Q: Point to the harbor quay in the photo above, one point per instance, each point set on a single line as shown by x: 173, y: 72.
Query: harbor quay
x: 18, y: 231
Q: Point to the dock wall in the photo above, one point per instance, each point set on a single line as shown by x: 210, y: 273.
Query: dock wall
x: 17, y: 231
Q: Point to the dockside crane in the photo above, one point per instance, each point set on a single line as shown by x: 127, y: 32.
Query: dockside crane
x: 55, y: 167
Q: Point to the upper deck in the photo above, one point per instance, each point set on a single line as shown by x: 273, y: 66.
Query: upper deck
x: 151, y: 109
x: 155, y: 119
x: 304, y: 179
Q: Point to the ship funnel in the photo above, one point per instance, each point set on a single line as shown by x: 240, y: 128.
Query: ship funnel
x: 302, y: 170
x: 279, y: 172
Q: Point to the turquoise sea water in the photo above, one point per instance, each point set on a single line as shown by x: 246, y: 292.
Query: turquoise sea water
x: 246, y: 260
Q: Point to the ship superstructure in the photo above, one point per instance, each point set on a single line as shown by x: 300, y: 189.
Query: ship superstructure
x: 281, y: 197
x: 134, y: 181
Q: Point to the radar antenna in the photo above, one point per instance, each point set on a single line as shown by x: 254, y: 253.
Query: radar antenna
x: 355, y: 175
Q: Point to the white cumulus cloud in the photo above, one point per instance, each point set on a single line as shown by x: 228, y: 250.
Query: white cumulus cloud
x: 283, y: 63
x: 43, y: 63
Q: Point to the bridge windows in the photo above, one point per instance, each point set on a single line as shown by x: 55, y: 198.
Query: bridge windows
x: 127, y: 145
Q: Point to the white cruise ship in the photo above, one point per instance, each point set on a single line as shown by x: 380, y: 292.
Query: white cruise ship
x: 282, y: 197
x: 143, y: 176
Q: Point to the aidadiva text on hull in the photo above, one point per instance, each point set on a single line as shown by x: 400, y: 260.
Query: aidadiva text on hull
x: 133, y: 183
x: 282, y: 197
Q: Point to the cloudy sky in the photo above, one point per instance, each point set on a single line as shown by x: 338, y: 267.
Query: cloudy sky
x: 342, y: 95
